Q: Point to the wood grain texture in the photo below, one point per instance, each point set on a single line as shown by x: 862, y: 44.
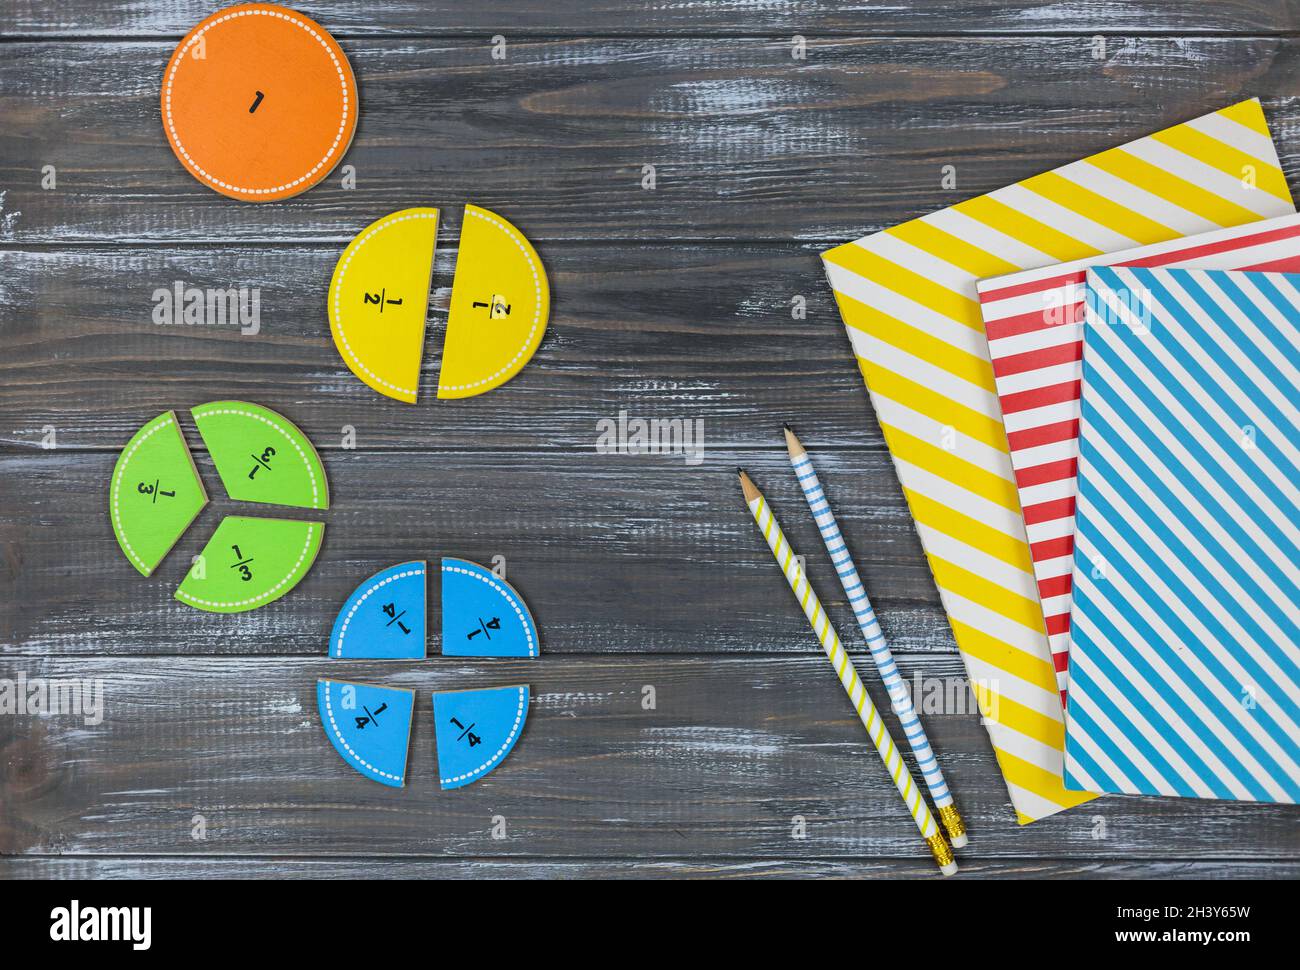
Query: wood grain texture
x: 734, y: 750
x: 210, y: 866
x: 698, y: 332
x: 642, y: 570
x: 747, y: 143
x: 123, y: 18
x: 613, y: 553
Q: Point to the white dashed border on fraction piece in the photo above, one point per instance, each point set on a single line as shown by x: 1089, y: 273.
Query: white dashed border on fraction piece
x: 179, y: 57
x: 242, y: 412
x: 353, y: 248
x: 329, y: 712
x: 505, y: 745
x: 265, y: 596
x: 515, y: 238
x: 343, y: 630
x: 521, y: 612
x: 165, y: 421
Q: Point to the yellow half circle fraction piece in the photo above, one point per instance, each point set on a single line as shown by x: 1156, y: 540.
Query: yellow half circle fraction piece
x: 500, y: 301
x: 379, y: 297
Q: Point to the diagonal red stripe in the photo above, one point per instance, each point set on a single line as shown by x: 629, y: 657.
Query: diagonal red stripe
x: 1286, y: 264
x: 1059, y: 508
x: 1033, y: 321
x: 1048, y: 471
x: 1037, y: 359
x: 1052, y: 548
x: 1060, y: 623
x: 1055, y: 586
x: 1044, y: 434
x: 1036, y: 286
x: 1037, y: 397
x: 1223, y: 246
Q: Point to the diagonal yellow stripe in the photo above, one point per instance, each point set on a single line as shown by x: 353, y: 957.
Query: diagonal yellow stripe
x: 952, y: 249
x: 1019, y: 718
x: 907, y: 283
x: 1036, y: 780
x: 1002, y: 655
x: 912, y: 340
x: 969, y: 530
x: 1248, y: 113
x: 1172, y: 188
x: 1101, y: 210
x: 934, y: 405
x: 1026, y: 229
x: 988, y: 594
x: 1040, y: 781
x: 1227, y: 159
x: 944, y: 464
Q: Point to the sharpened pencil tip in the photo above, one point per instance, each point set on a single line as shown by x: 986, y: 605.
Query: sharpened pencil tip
x: 748, y: 487
x: 792, y: 443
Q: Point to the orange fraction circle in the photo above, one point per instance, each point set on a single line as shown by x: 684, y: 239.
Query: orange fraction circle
x: 259, y: 102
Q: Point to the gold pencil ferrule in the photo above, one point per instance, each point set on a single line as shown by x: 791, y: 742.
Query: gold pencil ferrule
x: 952, y: 821
x: 941, y: 850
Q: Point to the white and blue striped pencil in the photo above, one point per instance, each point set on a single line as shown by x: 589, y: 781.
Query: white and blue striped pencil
x: 899, y: 695
x: 848, y: 675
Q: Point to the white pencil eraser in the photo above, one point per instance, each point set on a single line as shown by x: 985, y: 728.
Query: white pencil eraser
x: 959, y: 841
x: 949, y: 870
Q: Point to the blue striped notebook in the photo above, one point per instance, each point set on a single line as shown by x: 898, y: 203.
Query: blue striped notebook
x: 1185, y: 652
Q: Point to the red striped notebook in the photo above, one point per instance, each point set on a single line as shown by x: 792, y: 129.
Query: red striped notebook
x: 1034, y: 324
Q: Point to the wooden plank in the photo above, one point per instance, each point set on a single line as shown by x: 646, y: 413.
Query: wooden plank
x: 734, y: 750
x: 217, y: 867
x: 747, y: 142
x: 613, y: 553
x: 642, y: 570
x: 693, y: 332
x: 122, y: 18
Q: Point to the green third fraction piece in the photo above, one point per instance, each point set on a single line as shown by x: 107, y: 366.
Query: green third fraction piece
x: 155, y: 494
x: 261, y: 456
x: 250, y: 562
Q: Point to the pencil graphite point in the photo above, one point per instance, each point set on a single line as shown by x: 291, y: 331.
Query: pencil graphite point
x: 847, y: 674
x: 792, y: 443
x: 746, y: 486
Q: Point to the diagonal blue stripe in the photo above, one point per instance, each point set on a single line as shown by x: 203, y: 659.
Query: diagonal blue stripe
x: 1146, y: 474
x: 1190, y: 398
x: 1134, y: 734
x: 1141, y: 476
x: 1214, y: 348
x: 1278, y: 343
x: 1083, y: 686
x: 1204, y: 384
x: 1136, y: 575
x: 1230, y: 518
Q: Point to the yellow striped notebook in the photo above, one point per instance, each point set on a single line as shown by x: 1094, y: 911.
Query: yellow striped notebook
x: 908, y: 299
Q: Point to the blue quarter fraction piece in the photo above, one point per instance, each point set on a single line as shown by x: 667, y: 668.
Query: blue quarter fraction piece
x: 370, y: 727
x: 383, y: 619
x: 474, y: 731
x: 482, y: 615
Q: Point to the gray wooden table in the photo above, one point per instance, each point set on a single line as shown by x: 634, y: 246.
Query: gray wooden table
x: 644, y: 571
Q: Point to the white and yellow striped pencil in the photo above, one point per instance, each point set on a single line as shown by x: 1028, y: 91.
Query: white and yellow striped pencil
x: 848, y: 676
x: 901, y: 699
